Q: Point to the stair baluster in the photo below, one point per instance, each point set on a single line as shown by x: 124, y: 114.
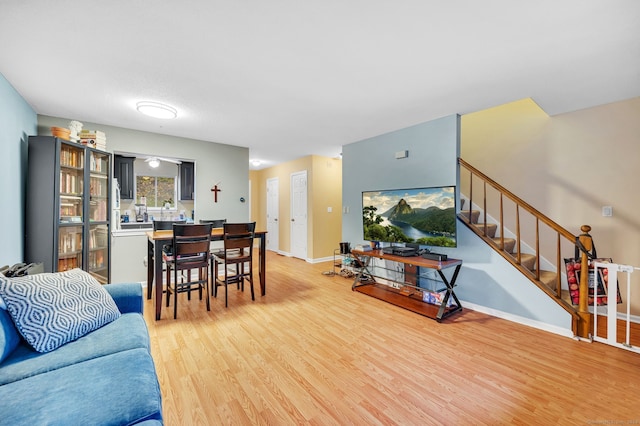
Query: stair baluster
x: 529, y: 264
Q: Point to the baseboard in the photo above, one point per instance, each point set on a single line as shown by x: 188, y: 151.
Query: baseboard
x: 308, y: 260
x: 621, y: 316
x: 320, y: 260
x: 566, y: 332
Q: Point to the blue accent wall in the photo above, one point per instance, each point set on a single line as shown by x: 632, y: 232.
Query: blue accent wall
x: 486, y: 280
x: 368, y: 165
x: 18, y: 121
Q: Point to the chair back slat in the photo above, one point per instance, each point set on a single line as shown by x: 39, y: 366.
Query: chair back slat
x: 239, y: 228
x: 191, y: 231
x: 215, y: 223
x: 165, y: 225
x: 186, y: 247
x: 238, y: 242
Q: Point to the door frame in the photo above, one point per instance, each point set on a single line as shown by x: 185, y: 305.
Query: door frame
x: 273, y: 227
x: 300, y: 216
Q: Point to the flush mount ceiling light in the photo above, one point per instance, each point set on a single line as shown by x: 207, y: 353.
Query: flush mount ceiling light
x: 156, y: 110
x: 256, y: 163
x: 155, y: 161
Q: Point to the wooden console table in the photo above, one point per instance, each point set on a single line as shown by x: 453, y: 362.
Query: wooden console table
x: 410, y: 292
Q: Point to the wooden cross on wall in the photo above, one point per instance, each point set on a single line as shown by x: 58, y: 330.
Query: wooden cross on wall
x: 215, y: 191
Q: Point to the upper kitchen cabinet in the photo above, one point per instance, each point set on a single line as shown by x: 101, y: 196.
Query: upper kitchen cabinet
x: 123, y: 171
x: 67, y: 204
x: 187, y: 178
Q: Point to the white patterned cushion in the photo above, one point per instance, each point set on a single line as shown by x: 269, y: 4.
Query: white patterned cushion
x: 52, y: 309
x: 2, y: 304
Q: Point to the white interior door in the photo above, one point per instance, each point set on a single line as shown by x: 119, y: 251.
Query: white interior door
x: 273, y: 227
x: 299, y: 214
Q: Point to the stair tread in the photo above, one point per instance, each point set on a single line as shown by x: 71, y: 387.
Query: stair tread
x: 545, y: 280
x: 548, y: 278
x: 491, y: 228
x: 509, y: 244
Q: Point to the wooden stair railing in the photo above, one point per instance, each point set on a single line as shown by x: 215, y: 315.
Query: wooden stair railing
x: 495, y: 202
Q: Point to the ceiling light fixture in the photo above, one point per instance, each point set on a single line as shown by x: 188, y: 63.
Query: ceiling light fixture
x: 154, y: 162
x: 256, y: 163
x: 157, y: 110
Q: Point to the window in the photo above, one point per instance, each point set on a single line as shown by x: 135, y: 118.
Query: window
x: 158, y: 190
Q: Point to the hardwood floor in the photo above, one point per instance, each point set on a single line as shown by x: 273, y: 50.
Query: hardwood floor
x: 314, y: 352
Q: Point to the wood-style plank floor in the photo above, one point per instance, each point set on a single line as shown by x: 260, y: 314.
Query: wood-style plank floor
x: 313, y: 352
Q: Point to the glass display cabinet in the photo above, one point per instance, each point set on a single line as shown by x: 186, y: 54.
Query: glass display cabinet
x: 67, y: 207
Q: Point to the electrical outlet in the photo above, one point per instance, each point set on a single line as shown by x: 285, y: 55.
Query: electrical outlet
x: 607, y: 211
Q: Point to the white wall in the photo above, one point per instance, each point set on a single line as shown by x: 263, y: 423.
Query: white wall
x: 214, y: 163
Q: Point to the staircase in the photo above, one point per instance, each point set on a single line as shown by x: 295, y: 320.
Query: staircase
x: 505, y: 222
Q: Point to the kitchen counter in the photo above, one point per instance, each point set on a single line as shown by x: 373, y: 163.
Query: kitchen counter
x: 127, y: 227
x: 136, y: 225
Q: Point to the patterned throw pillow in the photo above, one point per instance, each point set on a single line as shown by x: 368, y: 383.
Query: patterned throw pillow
x: 52, y: 309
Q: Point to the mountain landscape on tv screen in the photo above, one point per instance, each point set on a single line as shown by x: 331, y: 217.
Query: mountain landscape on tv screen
x: 432, y: 225
x: 431, y: 220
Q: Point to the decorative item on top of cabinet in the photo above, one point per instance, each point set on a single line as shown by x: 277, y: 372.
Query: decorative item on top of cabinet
x: 187, y: 180
x: 123, y: 171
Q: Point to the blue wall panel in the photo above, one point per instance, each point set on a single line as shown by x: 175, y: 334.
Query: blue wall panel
x: 18, y: 121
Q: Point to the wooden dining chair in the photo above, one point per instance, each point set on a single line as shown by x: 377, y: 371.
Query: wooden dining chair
x: 190, y: 252
x: 162, y: 225
x: 236, y: 258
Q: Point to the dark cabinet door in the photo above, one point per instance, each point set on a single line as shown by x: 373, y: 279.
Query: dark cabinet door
x: 187, y: 173
x: 123, y: 171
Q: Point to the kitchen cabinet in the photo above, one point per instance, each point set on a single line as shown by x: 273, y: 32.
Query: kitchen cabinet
x: 187, y: 179
x: 123, y: 171
x: 67, y: 219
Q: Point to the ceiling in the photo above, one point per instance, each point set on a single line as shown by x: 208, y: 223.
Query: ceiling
x: 291, y: 78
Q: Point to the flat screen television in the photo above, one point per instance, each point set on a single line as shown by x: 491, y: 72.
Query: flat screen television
x: 426, y: 216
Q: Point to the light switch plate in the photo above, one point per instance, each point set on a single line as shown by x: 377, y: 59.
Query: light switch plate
x: 402, y: 154
x: 607, y: 211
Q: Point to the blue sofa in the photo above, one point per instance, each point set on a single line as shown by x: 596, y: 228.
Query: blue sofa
x: 106, y: 377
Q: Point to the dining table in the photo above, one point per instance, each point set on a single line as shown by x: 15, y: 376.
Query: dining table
x: 157, y: 240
